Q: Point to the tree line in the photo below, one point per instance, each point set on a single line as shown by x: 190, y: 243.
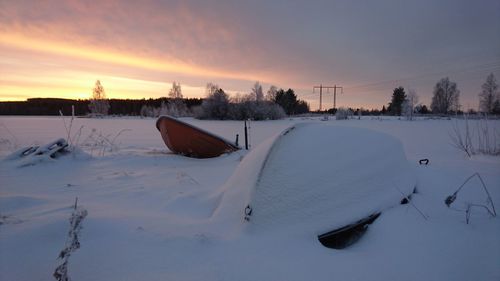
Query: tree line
x: 217, y: 104
x: 274, y: 104
x: 445, y: 99
x: 52, y: 106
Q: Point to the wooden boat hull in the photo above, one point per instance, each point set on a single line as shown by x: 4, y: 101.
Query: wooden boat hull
x: 188, y: 140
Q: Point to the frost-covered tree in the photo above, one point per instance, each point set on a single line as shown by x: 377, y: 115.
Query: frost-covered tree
x: 237, y: 98
x: 176, y: 106
x: 99, y: 104
x: 406, y: 110
x: 216, y: 103
x: 489, y: 97
x: 211, y: 88
x: 445, y: 97
x: 398, y: 97
x: 244, y: 107
x: 408, y: 106
x: 257, y: 93
x: 176, y: 91
x: 148, y: 111
x: 271, y: 93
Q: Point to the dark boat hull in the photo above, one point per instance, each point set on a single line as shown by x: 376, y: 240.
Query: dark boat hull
x: 188, y: 140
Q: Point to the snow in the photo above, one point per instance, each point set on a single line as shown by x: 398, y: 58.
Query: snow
x: 153, y: 215
x: 290, y: 186
x: 319, y: 178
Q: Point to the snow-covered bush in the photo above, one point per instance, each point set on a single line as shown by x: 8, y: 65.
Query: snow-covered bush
x: 274, y: 111
x: 218, y: 106
x: 343, y: 113
x: 255, y: 110
x: 147, y: 111
x: 176, y: 108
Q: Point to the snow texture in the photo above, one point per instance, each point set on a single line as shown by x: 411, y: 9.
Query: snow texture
x: 313, y: 178
x: 318, y: 178
x: 154, y: 215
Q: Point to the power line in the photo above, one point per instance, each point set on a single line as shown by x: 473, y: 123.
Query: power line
x: 476, y: 69
x: 483, y: 67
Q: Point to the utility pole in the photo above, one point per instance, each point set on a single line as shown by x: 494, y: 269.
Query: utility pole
x: 335, y: 95
x: 321, y: 87
x: 320, y: 94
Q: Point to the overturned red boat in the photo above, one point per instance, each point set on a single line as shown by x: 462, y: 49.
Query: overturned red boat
x: 188, y: 140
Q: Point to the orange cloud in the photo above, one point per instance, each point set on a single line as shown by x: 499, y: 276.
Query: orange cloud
x: 188, y: 42
x: 21, y: 41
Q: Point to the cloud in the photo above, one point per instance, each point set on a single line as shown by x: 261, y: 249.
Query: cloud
x: 175, y: 40
x: 288, y: 43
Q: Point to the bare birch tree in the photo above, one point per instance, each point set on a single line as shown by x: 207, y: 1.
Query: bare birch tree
x: 99, y: 104
x: 489, y: 96
x: 446, y: 97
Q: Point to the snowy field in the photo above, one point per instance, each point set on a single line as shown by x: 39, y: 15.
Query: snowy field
x: 150, y: 212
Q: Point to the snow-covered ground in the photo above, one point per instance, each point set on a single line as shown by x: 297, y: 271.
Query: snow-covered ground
x: 150, y: 212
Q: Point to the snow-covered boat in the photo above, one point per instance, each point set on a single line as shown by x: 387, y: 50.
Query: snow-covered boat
x: 315, y: 179
x: 186, y: 139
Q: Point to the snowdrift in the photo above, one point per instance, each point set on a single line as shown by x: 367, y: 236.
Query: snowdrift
x: 313, y: 178
x: 32, y: 155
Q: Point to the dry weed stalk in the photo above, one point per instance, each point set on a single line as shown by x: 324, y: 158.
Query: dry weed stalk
x: 487, y: 138
x: 72, y: 243
x: 489, y: 201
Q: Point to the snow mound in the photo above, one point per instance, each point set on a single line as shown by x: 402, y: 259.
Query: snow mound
x: 32, y: 155
x: 314, y: 178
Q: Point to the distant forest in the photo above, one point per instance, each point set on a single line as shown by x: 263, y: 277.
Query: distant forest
x: 51, y: 106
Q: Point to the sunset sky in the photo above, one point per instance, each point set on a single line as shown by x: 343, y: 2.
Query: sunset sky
x: 137, y: 48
